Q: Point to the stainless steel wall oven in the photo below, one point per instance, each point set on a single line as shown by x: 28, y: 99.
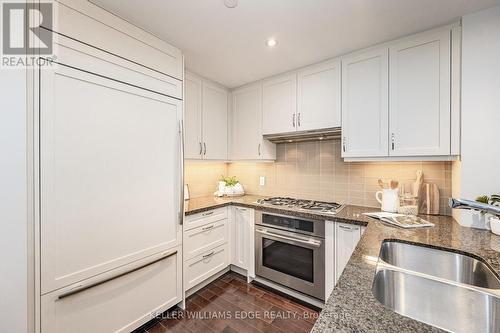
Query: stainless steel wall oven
x: 291, y: 251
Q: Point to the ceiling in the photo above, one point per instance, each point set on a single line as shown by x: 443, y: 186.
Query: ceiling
x: 229, y: 45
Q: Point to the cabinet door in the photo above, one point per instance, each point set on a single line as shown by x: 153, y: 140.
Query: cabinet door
x: 318, y: 96
x: 110, y: 171
x: 279, y: 104
x: 204, y: 266
x: 365, y: 104
x: 241, y: 243
x: 151, y: 286
x: 214, y: 122
x: 193, y: 148
x: 246, y: 129
x: 347, y: 236
x: 420, y: 95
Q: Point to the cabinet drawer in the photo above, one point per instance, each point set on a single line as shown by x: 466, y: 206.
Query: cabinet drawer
x: 202, y: 239
x: 115, y: 304
x: 210, y: 216
x: 205, y: 265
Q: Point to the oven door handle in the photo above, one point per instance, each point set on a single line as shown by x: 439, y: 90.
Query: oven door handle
x: 310, y: 242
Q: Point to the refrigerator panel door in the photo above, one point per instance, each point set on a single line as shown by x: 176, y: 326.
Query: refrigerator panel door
x: 110, y: 163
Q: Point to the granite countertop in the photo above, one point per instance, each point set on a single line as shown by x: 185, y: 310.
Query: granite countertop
x: 352, y: 307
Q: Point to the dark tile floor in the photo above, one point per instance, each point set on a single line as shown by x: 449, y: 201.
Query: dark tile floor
x: 229, y: 305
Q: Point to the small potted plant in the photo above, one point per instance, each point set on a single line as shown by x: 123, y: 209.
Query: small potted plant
x: 494, y: 220
x: 230, y: 187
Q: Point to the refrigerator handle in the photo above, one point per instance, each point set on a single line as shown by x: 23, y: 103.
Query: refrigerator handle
x: 181, y: 201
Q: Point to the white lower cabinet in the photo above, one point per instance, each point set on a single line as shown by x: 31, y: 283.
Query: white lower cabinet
x: 340, y: 241
x: 200, y: 219
x: 347, y: 237
x: 206, y: 245
x: 216, y: 239
x: 202, y: 239
x: 202, y: 267
x: 118, y: 303
x: 242, y: 244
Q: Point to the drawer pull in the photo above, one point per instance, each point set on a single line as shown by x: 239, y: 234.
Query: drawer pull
x: 208, y: 228
x: 347, y: 228
x: 81, y: 287
x: 208, y: 213
x: 208, y: 255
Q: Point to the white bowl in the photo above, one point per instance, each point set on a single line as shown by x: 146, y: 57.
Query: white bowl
x: 495, y: 225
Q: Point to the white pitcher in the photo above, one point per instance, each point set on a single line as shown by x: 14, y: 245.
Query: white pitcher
x: 389, y: 199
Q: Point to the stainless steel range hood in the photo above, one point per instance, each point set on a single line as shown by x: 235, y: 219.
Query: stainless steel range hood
x: 316, y: 135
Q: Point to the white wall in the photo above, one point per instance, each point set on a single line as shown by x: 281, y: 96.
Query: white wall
x: 479, y: 169
x: 13, y: 202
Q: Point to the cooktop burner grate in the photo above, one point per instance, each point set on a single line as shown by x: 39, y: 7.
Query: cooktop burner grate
x: 311, y: 205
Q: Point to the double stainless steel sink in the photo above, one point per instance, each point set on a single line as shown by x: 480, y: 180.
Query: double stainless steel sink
x: 452, y: 291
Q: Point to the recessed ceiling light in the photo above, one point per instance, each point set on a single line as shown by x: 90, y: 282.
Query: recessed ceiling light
x: 271, y: 42
x: 230, y: 3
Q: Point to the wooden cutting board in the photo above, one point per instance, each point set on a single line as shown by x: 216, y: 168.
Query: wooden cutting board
x: 428, y: 199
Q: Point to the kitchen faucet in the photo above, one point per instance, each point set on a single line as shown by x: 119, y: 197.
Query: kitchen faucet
x: 474, y: 205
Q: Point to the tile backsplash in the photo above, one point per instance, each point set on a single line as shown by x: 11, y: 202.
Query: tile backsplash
x: 202, y: 177
x: 315, y: 170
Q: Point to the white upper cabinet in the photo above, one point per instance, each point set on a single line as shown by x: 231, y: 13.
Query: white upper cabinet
x: 247, y: 142
x: 206, y: 118
x: 365, y: 104
x: 193, y: 145
x: 279, y: 103
x: 214, y: 121
x: 85, y: 22
x: 318, y: 96
x: 420, y: 95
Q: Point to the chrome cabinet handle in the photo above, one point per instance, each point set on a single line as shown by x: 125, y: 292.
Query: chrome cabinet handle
x: 310, y: 242
x: 208, y: 228
x: 208, y: 255
x: 241, y: 209
x: 348, y: 228
x: 258, y: 149
x: 205, y: 146
x: 208, y: 213
x: 293, y: 120
x: 393, y: 140
x: 344, y: 143
x: 82, y: 286
x: 201, y: 149
x: 298, y: 119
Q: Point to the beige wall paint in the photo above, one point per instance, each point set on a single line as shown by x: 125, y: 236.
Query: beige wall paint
x: 315, y: 170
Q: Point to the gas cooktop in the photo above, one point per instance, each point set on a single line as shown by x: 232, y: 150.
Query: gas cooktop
x: 301, y: 204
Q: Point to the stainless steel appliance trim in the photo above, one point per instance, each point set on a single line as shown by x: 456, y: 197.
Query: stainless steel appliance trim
x: 83, y: 286
x: 310, y: 242
x: 300, y: 136
x: 319, y: 225
x: 316, y: 289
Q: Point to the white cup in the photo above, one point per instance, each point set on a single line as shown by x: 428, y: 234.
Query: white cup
x: 389, y: 199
